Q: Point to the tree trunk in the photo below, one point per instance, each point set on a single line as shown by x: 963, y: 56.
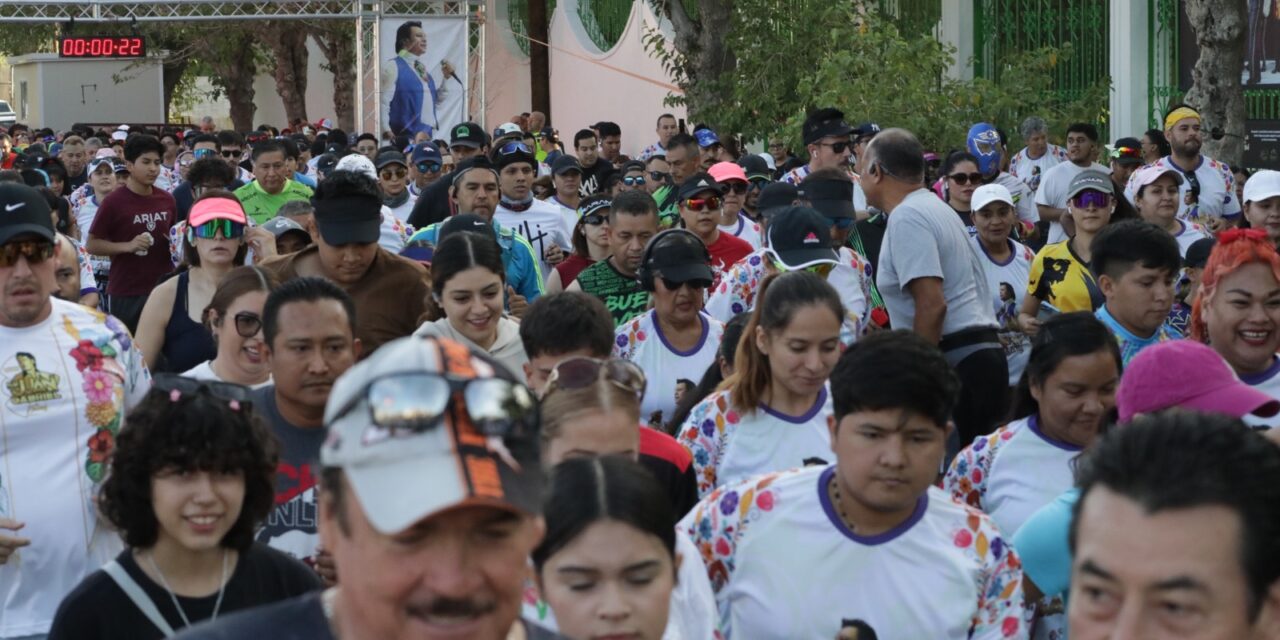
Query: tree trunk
x: 173, y: 70
x: 1215, y: 80
x: 288, y: 43
x: 539, y: 57
x: 704, y: 58
x: 337, y: 40
x: 234, y: 74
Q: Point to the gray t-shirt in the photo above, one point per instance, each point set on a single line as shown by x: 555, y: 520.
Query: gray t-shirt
x: 291, y: 525
x: 1053, y: 191
x: 926, y: 239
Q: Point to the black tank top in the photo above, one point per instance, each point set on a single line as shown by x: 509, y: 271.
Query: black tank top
x: 186, y: 342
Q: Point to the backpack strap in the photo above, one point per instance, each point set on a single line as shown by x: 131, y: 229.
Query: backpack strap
x: 138, y: 596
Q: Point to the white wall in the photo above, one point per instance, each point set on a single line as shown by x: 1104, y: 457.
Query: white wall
x: 62, y: 92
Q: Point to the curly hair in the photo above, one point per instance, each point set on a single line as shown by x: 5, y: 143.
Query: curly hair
x: 198, y: 431
x: 1230, y: 254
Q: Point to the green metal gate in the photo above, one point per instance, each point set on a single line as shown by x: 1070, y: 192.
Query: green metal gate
x: 1003, y: 29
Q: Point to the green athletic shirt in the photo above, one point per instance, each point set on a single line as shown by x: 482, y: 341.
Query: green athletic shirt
x: 621, y: 294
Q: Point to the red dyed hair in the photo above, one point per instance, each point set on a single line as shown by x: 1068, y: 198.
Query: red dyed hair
x: 1235, y: 249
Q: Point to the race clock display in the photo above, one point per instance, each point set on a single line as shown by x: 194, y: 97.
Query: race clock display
x: 102, y: 47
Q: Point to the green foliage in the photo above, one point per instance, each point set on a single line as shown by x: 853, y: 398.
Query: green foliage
x: 796, y: 55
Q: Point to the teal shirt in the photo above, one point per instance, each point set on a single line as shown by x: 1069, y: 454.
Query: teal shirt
x: 1131, y: 345
x: 523, y: 273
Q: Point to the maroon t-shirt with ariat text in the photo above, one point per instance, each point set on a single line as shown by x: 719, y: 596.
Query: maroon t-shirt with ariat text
x: 124, y: 214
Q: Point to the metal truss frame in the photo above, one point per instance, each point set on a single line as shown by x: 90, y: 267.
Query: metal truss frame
x: 368, y: 15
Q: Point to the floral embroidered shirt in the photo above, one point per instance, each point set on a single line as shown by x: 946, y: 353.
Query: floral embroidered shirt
x: 783, y: 564
x: 66, y: 384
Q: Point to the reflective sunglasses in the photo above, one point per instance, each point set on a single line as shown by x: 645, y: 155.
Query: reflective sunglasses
x: 582, y: 372
x: 418, y: 402
x: 514, y: 147
x: 428, y: 167
x: 702, y: 204
x: 737, y: 187
x: 184, y: 162
x: 248, y: 324
x: 837, y: 147
x: 759, y: 184
x: 593, y: 219
x: 696, y: 283
x: 659, y: 176
x: 393, y: 174
x: 842, y: 224
x: 633, y: 181
x: 210, y: 229
x: 35, y: 251
x: 965, y: 178
x: 170, y: 382
x: 204, y: 153
x: 821, y: 269
x: 1091, y: 200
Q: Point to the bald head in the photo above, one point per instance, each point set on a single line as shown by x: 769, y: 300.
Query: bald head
x: 898, y: 153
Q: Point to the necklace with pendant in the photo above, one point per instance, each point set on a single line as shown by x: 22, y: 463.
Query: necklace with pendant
x: 186, y: 622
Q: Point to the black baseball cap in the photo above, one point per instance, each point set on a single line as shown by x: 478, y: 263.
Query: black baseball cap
x: 832, y: 198
x: 1127, y: 151
x: 326, y: 162
x: 1198, y: 253
x: 564, y: 164
x: 23, y: 211
x: 468, y: 222
x: 775, y: 197
x: 697, y: 183
x: 755, y: 167
x: 680, y: 257
x: 823, y: 123
x: 352, y: 219
x: 632, y: 165
x: 468, y: 134
x: 593, y: 204
x: 800, y: 237
x: 390, y: 156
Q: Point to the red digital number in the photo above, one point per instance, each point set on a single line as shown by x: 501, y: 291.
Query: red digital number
x: 95, y: 47
x: 81, y: 45
x: 136, y: 49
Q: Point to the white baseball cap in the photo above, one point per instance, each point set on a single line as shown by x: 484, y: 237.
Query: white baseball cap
x: 358, y: 163
x: 119, y: 135
x: 1145, y: 176
x: 988, y: 193
x: 1262, y: 185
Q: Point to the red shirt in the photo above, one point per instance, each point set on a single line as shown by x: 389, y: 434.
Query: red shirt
x: 124, y: 214
x: 726, y: 251
x: 571, y: 267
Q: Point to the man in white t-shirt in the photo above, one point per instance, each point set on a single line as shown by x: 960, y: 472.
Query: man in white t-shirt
x: 1030, y: 164
x: 932, y: 281
x: 68, y: 376
x: 867, y: 541
x: 539, y: 222
x: 1208, y: 192
x: 1051, y: 197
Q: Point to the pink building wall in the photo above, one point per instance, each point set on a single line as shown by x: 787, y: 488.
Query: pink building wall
x: 587, y: 85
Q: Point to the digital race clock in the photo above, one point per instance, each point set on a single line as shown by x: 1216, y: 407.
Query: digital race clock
x: 102, y: 47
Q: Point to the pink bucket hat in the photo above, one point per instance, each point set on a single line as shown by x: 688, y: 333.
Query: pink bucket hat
x: 1160, y: 378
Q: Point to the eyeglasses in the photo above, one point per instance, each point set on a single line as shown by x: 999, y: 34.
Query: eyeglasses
x: 514, y: 147
x: 633, y: 181
x: 594, y: 219
x: 419, y: 402
x: 171, y: 382
x: 736, y: 187
x: 231, y: 154
x: 659, y: 176
x: 580, y: 373
x: 248, y: 324
x: 428, y: 167
x: 1091, y: 200
x: 965, y: 178
x: 841, y: 223
x: 210, y: 229
x: 702, y: 204
x: 204, y: 153
x: 393, y: 174
x: 35, y: 251
x: 821, y: 269
x: 836, y: 147
x: 696, y: 283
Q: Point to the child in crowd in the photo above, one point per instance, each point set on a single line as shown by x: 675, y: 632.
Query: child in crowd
x: 1136, y: 263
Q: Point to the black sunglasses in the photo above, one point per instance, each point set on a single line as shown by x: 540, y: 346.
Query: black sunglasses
x: 696, y: 283
x: 837, y: 147
x: 965, y: 178
x: 170, y: 382
x: 593, y: 219
x: 659, y: 176
x: 248, y: 324
x: 736, y: 187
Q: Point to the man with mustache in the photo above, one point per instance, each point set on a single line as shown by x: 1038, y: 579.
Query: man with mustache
x: 431, y: 504
x: 309, y: 340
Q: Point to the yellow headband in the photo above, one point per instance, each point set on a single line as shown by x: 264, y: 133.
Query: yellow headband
x: 1179, y: 114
